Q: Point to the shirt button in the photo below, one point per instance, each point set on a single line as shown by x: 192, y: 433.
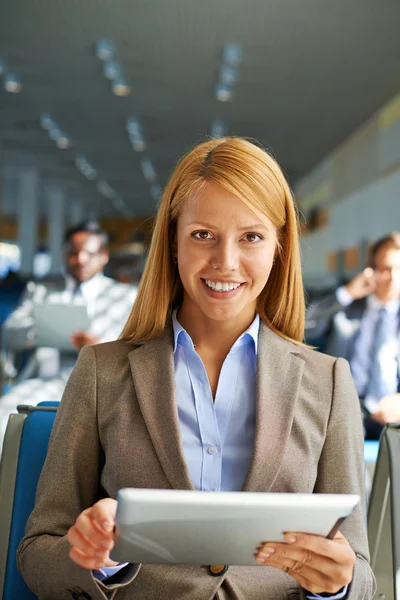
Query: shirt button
x: 212, y: 450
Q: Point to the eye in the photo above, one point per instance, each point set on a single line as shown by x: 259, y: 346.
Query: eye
x: 252, y: 237
x: 202, y: 235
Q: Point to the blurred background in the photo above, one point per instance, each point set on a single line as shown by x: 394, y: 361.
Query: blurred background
x: 100, y: 98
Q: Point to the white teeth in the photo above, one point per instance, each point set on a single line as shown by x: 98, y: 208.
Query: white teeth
x: 221, y: 287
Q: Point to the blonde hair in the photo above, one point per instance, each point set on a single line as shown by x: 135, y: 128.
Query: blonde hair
x: 247, y: 171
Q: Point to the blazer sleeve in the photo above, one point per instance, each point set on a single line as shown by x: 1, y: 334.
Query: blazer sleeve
x: 69, y: 483
x: 341, y: 470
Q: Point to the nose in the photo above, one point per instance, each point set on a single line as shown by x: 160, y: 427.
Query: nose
x: 82, y: 257
x: 225, y: 256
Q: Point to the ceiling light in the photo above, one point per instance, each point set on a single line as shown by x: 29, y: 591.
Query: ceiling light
x: 223, y: 92
x: 133, y: 126
x: 63, y: 142
x: 105, y: 49
x: 85, y: 167
x: 12, y: 83
x: 232, y: 54
x: 155, y: 190
x: 47, y: 121
x: 3, y: 66
x: 120, y: 87
x: 228, y: 75
x: 148, y: 170
x: 105, y: 189
x: 54, y: 133
x: 135, y: 134
x: 112, y: 69
x: 218, y: 129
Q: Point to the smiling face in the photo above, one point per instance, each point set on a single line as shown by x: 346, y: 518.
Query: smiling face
x: 225, y: 255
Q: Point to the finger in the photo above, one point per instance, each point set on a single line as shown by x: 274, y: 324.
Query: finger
x: 315, y: 580
x: 90, y: 550
x: 288, y: 554
x: 89, y: 529
x: 368, y: 272
x: 85, y: 561
x: 338, y: 549
x: 104, y: 513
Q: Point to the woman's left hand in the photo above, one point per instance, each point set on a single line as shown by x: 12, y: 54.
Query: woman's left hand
x: 318, y: 564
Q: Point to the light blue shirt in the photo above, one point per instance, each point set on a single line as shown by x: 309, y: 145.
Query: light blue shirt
x: 217, y: 434
x: 388, y: 354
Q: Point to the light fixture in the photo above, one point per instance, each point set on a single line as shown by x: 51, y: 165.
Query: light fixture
x: 63, y: 142
x: 228, y: 75
x: 223, y: 92
x: 112, y: 69
x: 148, y: 170
x: 3, y: 66
x: 155, y: 190
x: 54, y: 133
x: 232, y: 54
x: 47, y: 121
x: 85, y: 167
x: 218, y: 129
x: 120, y: 87
x: 135, y: 134
x: 105, y: 189
x: 105, y: 49
x: 12, y: 83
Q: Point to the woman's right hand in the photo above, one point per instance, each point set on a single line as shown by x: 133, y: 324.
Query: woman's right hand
x: 92, y: 536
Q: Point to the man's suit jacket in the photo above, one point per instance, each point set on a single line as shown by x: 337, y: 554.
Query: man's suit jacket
x: 340, y: 325
x: 118, y: 426
x: 108, y: 312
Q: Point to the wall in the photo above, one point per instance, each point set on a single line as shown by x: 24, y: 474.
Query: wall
x: 357, y: 189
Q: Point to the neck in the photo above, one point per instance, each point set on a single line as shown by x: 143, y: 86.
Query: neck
x: 385, y: 298
x: 213, y: 334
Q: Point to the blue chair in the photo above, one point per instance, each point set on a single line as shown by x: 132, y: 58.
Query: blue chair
x: 24, y: 452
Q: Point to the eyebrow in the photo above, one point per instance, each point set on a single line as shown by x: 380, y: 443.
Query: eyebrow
x: 245, y: 228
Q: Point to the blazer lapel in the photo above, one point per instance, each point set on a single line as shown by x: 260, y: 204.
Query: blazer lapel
x: 152, y: 366
x: 279, y: 371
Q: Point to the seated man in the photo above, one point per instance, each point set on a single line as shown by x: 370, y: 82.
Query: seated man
x: 361, y: 321
x: 108, y: 305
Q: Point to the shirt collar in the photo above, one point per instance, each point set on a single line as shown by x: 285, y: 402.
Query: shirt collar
x: 89, y: 288
x: 250, y: 334
x: 373, y: 303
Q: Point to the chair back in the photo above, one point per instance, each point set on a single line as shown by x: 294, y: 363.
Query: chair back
x: 24, y: 452
x: 383, y: 515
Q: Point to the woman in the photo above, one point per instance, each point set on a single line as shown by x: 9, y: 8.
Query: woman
x: 209, y: 387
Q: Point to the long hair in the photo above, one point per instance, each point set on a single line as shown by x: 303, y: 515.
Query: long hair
x: 250, y: 173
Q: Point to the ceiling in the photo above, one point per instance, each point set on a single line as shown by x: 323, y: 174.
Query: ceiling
x: 312, y: 72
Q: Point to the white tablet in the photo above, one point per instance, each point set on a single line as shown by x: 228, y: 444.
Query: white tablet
x: 56, y: 322
x: 223, y: 528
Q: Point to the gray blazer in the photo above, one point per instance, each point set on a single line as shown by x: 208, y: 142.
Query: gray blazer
x: 118, y: 426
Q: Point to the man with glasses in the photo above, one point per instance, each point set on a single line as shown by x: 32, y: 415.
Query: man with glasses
x: 361, y: 321
x: 108, y: 305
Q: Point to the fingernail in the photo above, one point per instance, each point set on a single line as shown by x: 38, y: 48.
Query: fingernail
x: 100, y: 553
x: 290, y: 538
x: 105, y: 543
x: 260, y: 560
x: 107, y: 526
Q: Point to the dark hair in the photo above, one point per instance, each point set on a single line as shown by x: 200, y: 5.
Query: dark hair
x: 390, y: 240
x: 87, y: 227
